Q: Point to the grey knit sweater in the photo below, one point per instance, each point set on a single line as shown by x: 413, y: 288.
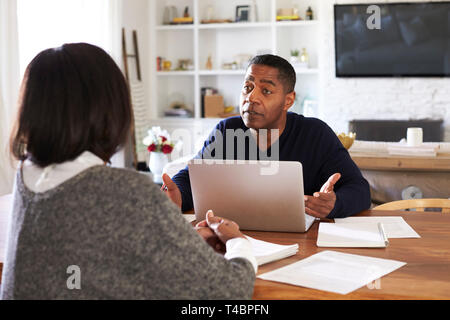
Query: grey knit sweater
x: 113, y: 234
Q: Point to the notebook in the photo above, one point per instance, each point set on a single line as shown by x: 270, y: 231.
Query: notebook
x: 266, y: 252
x: 360, y: 235
x: 395, y: 227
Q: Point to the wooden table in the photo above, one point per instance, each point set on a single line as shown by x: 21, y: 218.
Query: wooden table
x: 384, y: 161
x: 426, y: 275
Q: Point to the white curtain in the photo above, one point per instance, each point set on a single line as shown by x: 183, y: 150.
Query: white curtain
x: 114, y: 45
x: 45, y: 24
x: 114, y: 48
x: 30, y: 26
x: 9, y: 87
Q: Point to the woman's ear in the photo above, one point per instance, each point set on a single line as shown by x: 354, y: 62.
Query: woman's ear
x: 289, y: 100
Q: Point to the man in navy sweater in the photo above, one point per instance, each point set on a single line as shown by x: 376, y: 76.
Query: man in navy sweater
x: 333, y: 184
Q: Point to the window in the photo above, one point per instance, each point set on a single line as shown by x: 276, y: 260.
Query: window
x: 46, y: 24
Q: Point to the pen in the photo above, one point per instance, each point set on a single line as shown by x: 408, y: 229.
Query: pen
x: 383, y: 234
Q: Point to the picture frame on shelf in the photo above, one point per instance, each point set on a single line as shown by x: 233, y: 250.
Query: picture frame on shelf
x: 242, y: 13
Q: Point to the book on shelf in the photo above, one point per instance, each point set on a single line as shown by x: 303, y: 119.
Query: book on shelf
x: 180, y: 113
x: 288, y: 18
x: 182, y: 20
x: 216, y: 21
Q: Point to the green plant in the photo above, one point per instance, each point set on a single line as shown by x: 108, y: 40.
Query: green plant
x: 295, y: 53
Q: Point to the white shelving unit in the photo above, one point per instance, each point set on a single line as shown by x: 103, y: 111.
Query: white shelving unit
x: 223, y: 42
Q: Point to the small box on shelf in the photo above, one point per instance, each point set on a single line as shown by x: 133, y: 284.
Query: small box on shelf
x: 288, y: 14
x: 171, y: 16
x: 213, y: 106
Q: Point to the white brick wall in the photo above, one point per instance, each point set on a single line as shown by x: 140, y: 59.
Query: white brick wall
x: 344, y: 99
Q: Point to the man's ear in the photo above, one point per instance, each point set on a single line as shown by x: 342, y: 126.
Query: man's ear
x: 289, y: 100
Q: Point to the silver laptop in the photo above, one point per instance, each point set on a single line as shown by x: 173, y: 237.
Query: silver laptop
x: 257, y: 195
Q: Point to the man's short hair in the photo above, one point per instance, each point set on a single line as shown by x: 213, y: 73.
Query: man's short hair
x: 73, y: 99
x: 286, y: 73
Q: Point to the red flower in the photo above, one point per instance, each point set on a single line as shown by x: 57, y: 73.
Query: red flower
x: 166, y: 149
x: 163, y: 139
x: 151, y: 147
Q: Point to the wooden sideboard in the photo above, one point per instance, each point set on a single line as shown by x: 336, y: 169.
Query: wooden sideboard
x: 384, y: 161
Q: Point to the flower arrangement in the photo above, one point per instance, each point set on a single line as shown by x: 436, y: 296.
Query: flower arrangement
x: 158, y: 141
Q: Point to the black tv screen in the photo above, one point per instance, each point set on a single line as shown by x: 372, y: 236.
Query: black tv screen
x: 408, y: 40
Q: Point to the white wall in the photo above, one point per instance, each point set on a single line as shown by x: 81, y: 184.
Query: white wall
x: 135, y: 17
x: 345, y: 99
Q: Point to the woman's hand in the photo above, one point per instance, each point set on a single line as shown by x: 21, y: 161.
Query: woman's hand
x: 210, y: 237
x: 216, y: 231
x: 223, y: 228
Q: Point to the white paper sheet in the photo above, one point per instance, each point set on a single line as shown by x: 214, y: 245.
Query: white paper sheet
x: 395, y: 227
x: 333, y: 271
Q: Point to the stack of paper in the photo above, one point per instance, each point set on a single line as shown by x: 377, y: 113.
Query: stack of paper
x: 333, y: 271
x: 360, y: 235
x: 263, y: 251
x: 395, y: 227
x: 369, y: 146
x: 444, y: 147
x: 266, y: 252
x: 425, y: 150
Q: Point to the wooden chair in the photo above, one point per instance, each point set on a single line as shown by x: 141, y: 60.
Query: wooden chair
x: 418, y: 204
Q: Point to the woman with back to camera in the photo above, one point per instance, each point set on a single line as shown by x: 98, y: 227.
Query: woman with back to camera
x: 83, y: 230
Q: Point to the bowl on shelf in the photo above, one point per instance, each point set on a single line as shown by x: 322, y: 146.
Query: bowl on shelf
x: 347, y: 139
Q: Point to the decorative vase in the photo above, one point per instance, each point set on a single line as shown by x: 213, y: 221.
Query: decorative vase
x: 156, y: 164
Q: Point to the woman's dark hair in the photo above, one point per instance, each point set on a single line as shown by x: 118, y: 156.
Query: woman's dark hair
x: 286, y: 73
x: 73, y: 99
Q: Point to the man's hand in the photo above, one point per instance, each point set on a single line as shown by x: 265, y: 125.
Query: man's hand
x: 322, y: 203
x: 171, y: 190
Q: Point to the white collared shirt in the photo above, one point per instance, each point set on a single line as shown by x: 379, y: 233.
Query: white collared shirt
x: 40, y: 180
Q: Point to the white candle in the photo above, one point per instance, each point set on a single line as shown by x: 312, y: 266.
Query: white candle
x: 414, y: 137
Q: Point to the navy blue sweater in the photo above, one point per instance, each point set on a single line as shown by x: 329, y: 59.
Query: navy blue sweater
x: 307, y: 140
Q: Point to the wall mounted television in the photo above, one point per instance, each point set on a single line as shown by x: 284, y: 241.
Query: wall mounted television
x: 413, y: 40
